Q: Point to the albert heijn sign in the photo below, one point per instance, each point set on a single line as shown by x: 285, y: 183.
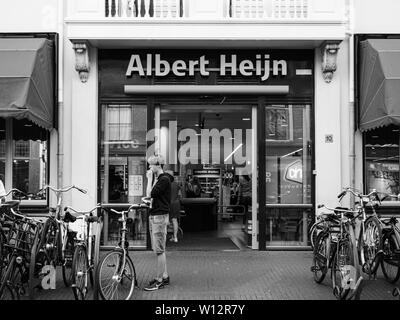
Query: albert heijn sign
x: 154, y: 64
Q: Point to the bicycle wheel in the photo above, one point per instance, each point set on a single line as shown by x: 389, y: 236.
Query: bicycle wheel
x: 49, y: 241
x: 116, y: 278
x: 390, y: 262
x: 96, y: 257
x: 80, y: 271
x: 9, y: 294
x: 344, y: 268
x: 2, y: 253
x: 320, y: 257
x: 37, y: 261
x: 371, y: 244
x: 67, y: 260
x: 7, y: 275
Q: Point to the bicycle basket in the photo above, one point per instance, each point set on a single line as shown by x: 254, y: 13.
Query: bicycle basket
x: 21, y: 235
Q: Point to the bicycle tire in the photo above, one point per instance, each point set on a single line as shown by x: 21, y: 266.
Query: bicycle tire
x: 79, y: 271
x: 2, y: 254
x: 373, y: 246
x: 35, y: 266
x: 320, y: 257
x: 96, y: 257
x: 7, y: 275
x: 345, y: 267
x: 67, y: 260
x: 48, y: 240
x: 9, y: 294
x: 115, y: 268
x: 390, y: 262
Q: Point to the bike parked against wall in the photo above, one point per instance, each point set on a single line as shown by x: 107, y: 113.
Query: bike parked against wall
x: 87, y: 251
x: 57, y: 240
x: 19, y: 236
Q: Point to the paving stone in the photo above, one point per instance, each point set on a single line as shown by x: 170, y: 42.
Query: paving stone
x: 242, y: 275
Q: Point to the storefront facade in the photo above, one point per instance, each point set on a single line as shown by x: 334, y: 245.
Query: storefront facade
x: 275, y: 107
x: 28, y: 91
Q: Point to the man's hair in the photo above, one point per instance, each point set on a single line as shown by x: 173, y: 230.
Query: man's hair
x: 156, y: 160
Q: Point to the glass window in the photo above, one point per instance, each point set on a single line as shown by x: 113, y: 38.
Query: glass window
x: 288, y: 154
x: 288, y: 173
x: 123, y: 167
x: 28, y: 143
x: 123, y: 153
x: 382, y: 161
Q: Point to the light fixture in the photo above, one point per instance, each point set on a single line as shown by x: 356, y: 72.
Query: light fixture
x: 246, y: 119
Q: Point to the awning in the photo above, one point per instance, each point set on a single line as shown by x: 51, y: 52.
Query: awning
x: 379, y: 83
x: 27, y: 80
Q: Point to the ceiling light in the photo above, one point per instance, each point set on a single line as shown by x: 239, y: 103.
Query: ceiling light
x: 246, y: 119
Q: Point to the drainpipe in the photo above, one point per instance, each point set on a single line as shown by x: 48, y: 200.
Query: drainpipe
x: 352, y: 153
x: 60, y: 133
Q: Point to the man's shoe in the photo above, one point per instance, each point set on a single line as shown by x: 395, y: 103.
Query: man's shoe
x: 165, y: 281
x: 154, y: 285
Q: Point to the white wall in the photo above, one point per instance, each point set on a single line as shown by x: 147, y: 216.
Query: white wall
x: 30, y: 16
x: 80, y: 130
x: 330, y: 118
x: 373, y: 16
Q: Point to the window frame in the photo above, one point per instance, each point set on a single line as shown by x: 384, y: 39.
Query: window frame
x: 8, y: 170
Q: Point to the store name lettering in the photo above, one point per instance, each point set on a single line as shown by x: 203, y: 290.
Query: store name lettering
x: 229, y: 65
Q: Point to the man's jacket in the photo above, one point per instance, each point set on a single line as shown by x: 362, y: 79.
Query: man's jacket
x: 161, y: 195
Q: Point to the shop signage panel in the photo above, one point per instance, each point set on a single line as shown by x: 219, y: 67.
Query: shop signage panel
x: 263, y: 68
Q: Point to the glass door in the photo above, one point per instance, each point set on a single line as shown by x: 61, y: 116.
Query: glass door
x: 288, y: 174
x: 123, y: 169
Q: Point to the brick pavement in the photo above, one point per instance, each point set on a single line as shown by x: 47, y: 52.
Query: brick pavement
x: 233, y: 275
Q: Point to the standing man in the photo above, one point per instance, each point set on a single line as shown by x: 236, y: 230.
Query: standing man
x: 158, y: 220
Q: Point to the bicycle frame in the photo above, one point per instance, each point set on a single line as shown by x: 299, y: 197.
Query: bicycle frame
x: 86, y: 241
x: 62, y: 227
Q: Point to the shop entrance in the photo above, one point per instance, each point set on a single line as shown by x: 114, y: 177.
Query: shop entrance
x: 209, y: 148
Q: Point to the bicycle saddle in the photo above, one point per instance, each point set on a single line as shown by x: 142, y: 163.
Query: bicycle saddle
x: 92, y: 219
x: 68, y: 217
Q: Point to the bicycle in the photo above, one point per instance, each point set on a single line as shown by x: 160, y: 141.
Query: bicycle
x: 19, y: 249
x: 390, y: 258
x: 345, y: 269
x: 87, y: 250
x: 5, y: 225
x: 369, y: 244
x: 116, y: 274
x: 325, y: 246
x: 314, y: 230
x: 57, y: 241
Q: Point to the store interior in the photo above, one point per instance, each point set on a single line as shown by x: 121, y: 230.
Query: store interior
x: 215, y: 217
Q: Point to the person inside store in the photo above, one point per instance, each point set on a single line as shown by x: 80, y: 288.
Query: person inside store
x: 116, y: 187
x: 244, y: 194
x: 158, y: 218
x: 174, y: 213
x: 193, y: 188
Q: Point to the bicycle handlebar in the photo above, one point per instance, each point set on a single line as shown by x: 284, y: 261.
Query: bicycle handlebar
x: 133, y: 206
x: 358, y: 194
x: 24, y: 217
x: 13, y: 190
x: 336, y: 209
x: 98, y: 206
x: 63, y: 189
